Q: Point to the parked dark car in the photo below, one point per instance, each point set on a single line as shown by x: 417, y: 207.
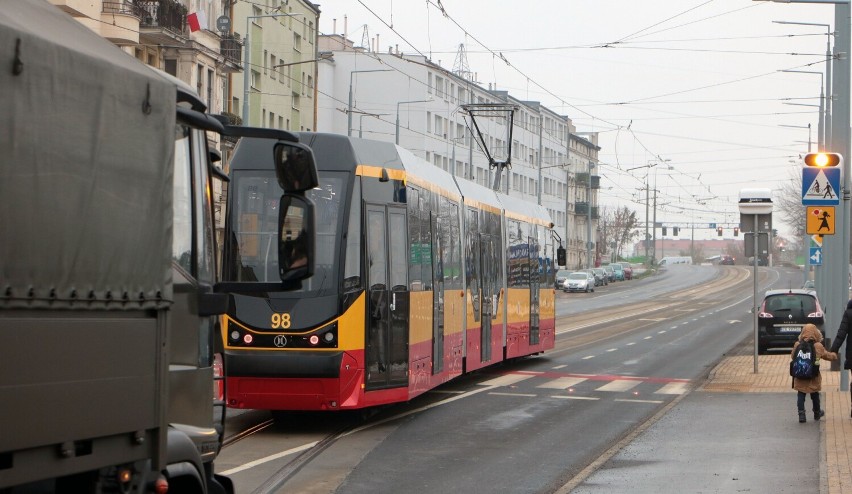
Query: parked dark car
x: 628, y: 270
x: 782, y: 315
x: 729, y: 260
x: 600, y: 273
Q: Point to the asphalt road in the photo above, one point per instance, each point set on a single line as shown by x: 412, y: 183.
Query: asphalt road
x: 532, y: 425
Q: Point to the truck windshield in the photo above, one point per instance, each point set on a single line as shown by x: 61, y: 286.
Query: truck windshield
x: 251, y: 253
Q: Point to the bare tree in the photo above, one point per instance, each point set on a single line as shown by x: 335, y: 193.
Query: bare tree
x: 788, y: 203
x: 619, y: 227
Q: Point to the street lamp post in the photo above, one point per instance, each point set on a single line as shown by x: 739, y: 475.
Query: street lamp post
x: 247, y: 68
x: 828, y: 67
x: 396, y: 140
x: 808, y: 126
x: 361, y: 121
x: 820, y: 127
x: 349, y: 106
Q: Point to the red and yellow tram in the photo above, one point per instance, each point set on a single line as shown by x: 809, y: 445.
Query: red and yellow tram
x: 419, y: 278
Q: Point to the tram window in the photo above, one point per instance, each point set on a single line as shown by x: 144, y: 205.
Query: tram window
x: 426, y: 239
x: 472, y: 251
x: 399, y: 259
x: 352, y: 268
x: 415, y: 245
x: 376, y: 253
x: 446, y: 245
x: 455, y: 246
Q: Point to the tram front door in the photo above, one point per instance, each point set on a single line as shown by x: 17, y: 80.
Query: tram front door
x: 386, y: 339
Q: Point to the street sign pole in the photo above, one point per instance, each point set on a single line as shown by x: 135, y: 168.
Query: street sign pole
x: 755, y: 305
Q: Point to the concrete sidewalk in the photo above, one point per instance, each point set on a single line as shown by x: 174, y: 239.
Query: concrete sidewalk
x: 736, y: 374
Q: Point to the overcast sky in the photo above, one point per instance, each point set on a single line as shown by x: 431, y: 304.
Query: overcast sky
x: 695, y: 82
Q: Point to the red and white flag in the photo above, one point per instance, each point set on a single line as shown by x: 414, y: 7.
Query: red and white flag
x: 196, y: 21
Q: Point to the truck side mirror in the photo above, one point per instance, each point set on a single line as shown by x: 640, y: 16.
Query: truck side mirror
x: 296, y: 240
x: 295, y: 167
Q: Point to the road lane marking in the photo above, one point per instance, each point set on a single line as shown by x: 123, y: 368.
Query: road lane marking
x: 564, y: 397
x: 560, y: 366
x: 562, y: 383
x: 266, y: 459
x: 661, y: 332
x: 506, y: 380
x: 523, y: 395
x: 638, y: 401
x: 588, y: 357
x: 631, y: 343
x: 673, y: 389
x: 647, y: 337
x: 618, y: 385
x: 612, y: 349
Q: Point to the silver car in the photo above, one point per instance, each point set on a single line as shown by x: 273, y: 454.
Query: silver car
x: 579, y: 281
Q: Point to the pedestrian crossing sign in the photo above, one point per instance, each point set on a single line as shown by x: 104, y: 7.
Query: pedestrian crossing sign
x: 820, y: 220
x: 820, y: 186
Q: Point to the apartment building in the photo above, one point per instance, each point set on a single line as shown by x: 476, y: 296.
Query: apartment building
x: 278, y: 88
x: 416, y: 103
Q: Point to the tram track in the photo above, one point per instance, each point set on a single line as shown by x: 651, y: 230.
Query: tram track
x: 575, y: 331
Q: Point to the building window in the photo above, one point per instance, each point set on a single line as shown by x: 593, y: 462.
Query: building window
x: 265, y: 61
x: 272, y: 67
x: 255, y: 80
x: 429, y: 84
x: 170, y: 66
x: 209, y: 90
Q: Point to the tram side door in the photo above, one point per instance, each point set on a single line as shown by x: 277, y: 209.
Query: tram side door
x: 437, y: 296
x: 386, y: 339
x: 535, y: 285
x: 488, y: 281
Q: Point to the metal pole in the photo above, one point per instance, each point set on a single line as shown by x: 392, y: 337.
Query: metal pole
x: 589, y: 219
x: 646, y: 220
x: 841, y: 143
x: 396, y: 139
x: 754, y: 307
x: 349, y: 107
x: 540, y: 147
x: 246, y: 75
x: 654, y: 230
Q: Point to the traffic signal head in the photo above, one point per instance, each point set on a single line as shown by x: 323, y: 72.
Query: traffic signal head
x: 719, y: 231
x: 664, y: 230
x: 823, y: 160
x: 736, y: 231
x: 674, y: 231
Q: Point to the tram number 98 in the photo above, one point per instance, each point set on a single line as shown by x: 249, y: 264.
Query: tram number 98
x: 280, y: 321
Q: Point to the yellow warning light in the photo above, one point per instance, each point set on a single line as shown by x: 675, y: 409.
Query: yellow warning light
x: 822, y: 160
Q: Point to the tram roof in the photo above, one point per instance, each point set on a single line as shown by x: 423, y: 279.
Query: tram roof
x: 517, y: 208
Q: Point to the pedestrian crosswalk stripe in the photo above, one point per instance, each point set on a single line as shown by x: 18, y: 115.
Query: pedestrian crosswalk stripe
x: 673, y: 389
x: 562, y: 383
x: 638, y: 401
x: 619, y: 385
x: 506, y: 380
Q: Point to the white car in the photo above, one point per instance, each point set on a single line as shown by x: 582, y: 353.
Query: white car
x: 579, y: 281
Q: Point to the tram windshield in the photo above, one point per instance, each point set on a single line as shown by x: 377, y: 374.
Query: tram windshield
x: 252, y: 254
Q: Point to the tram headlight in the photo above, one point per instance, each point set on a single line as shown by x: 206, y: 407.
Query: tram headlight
x: 247, y: 339
x: 314, y: 339
x: 235, y: 335
x: 328, y: 337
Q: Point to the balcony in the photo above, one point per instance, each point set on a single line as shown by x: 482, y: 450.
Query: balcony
x: 582, y: 209
x: 583, y: 179
x: 120, y: 22
x: 163, y: 21
x: 231, y: 47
